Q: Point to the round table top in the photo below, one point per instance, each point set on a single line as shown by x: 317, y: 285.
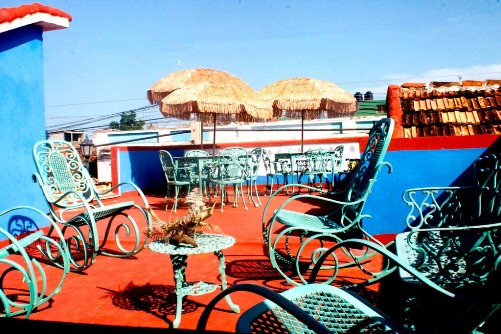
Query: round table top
x: 207, y: 243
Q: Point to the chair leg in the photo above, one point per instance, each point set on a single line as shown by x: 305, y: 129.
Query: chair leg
x: 269, y: 185
x: 252, y: 186
x: 257, y: 193
x: 236, y: 187
x: 176, y: 190
x: 167, y: 196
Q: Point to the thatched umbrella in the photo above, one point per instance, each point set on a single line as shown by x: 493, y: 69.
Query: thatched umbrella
x: 207, y: 94
x: 308, y: 98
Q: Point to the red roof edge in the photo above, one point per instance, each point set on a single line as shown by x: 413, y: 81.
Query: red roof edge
x: 10, y: 14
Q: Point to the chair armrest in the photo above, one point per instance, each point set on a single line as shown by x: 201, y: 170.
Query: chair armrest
x: 345, y: 245
x: 130, y: 184
x: 330, y: 201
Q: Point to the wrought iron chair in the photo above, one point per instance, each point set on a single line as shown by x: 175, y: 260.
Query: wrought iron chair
x: 256, y: 157
x: 342, y: 221
x: 311, y: 308
x: 274, y: 170
x: 75, y: 202
x: 23, y: 260
x: 453, y: 246
x: 176, y: 177
x: 318, y: 167
x: 230, y: 169
x: 196, y: 153
x: 336, y: 157
x: 200, y: 161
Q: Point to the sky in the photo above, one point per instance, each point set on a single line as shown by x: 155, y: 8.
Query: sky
x: 114, y: 50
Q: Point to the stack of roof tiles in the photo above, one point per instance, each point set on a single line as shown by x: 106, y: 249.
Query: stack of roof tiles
x: 451, y: 108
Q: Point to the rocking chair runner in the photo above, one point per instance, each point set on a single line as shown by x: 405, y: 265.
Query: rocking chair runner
x: 342, y: 222
x: 76, y: 203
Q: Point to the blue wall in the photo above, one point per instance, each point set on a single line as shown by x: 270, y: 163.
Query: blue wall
x: 22, y: 116
x: 411, y: 168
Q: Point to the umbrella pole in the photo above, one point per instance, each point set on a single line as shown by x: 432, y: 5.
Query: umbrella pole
x: 302, y: 130
x: 202, y: 134
x: 214, y: 137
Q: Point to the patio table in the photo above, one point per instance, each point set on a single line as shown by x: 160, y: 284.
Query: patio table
x: 199, y: 164
x: 207, y: 243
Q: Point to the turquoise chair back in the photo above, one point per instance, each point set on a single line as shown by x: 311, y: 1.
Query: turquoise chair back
x: 59, y: 171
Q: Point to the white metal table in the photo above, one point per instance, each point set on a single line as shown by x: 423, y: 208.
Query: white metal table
x: 207, y: 243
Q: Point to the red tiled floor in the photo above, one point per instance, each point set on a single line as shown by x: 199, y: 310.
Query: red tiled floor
x: 139, y: 291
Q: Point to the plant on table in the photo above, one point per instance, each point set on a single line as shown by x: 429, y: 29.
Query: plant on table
x: 182, y: 230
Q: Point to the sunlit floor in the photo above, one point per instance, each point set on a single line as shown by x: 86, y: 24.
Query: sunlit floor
x: 138, y: 292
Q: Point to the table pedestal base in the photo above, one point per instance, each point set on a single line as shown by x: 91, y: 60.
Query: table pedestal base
x: 184, y: 288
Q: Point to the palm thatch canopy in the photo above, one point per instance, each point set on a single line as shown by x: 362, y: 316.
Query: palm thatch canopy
x: 210, y: 96
x: 202, y: 92
x: 306, y: 98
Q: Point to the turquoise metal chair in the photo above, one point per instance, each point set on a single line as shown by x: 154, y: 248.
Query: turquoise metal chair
x: 447, y: 262
x: 341, y: 217
x: 230, y: 169
x: 312, y: 308
x: 24, y: 282
x: 176, y: 177
x: 75, y: 202
x: 449, y: 277
x: 274, y: 170
x: 201, y: 163
x: 256, y: 158
x: 336, y: 157
x: 318, y: 167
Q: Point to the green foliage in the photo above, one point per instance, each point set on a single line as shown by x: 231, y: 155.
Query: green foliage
x: 128, y: 122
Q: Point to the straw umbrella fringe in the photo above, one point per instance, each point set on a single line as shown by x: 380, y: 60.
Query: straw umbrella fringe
x: 214, y: 98
x: 208, y: 95
x: 306, y: 94
x: 307, y: 98
x: 179, y: 79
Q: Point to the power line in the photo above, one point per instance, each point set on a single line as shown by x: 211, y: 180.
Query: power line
x: 87, y: 103
x: 83, y: 124
x: 340, y: 83
x: 79, y: 125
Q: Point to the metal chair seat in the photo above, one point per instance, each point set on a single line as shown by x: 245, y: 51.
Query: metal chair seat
x: 100, y: 213
x: 308, y: 222
x: 311, y: 308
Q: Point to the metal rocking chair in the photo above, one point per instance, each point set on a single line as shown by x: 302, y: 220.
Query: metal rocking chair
x: 343, y: 219
x: 23, y: 260
x: 75, y: 202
